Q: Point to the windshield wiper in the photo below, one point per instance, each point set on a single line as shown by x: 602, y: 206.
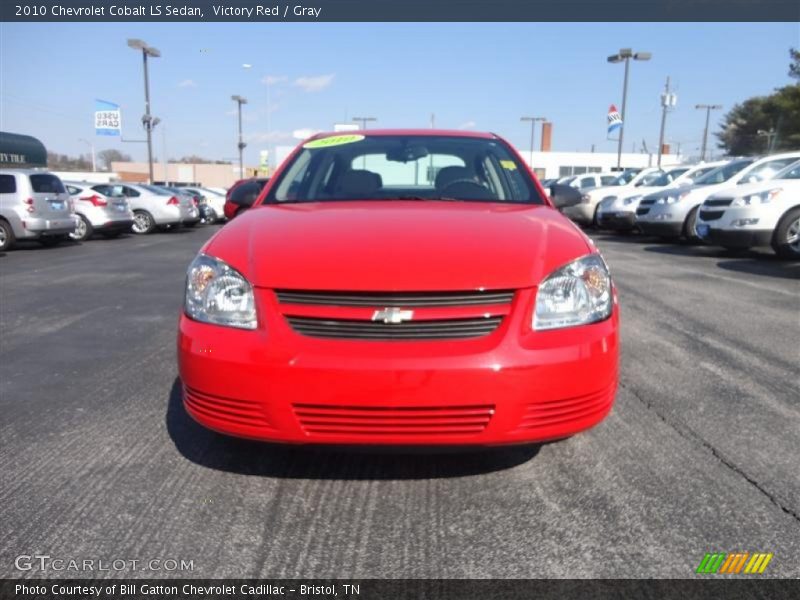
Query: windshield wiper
x: 429, y: 199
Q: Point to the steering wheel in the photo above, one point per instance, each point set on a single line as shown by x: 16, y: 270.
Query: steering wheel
x: 468, y: 189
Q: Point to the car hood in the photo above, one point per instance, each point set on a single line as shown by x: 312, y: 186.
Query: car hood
x: 745, y: 189
x: 398, y: 246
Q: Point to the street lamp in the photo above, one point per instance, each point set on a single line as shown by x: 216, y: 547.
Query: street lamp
x: 708, y: 108
x: 239, y: 101
x: 533, y: 121
x: 364, y: 121
x: 625, y: 55
x: 148, y: 121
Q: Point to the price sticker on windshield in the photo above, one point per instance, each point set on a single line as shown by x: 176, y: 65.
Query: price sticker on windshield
x: 334, y: 140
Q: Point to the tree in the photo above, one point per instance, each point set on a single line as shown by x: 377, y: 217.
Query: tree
x: 106, y: 157
x: 62, y: 162
x: 794, y: 66
x: 765, y: 123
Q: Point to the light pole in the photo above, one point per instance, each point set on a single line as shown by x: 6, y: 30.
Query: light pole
x: 668, y: 101
x: 94, y: 159
x: 708, y: 108
x: 533, y: 121
x: 239, y: 101
x: 148, y: 121
x: 364, y: 121
x: 625, y: 55
x: 770, y: 136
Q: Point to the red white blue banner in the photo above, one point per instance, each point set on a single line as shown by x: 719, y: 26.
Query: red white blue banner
x: 614, y: 119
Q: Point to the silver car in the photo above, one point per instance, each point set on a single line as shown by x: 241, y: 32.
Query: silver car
x: 213, y: 199
x: 107, y: 215
x: 34, y: 205
x: 152, y: 206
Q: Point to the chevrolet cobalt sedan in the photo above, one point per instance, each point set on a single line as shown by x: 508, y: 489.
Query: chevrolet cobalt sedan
x: 405, y: 287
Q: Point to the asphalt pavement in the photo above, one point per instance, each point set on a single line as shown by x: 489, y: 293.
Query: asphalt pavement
x: 99, y: 461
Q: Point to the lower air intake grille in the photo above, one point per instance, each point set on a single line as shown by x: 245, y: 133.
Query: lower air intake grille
x: 410, y: 330
x: 711, y: 215
x: 719, y: 202
x: 243, y: 413
x: 393, y: 421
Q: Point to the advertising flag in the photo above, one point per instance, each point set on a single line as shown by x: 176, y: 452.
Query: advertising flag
x: 614, y: 119
x: 107, y: 118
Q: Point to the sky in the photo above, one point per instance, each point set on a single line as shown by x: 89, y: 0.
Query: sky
x: 471, y: 76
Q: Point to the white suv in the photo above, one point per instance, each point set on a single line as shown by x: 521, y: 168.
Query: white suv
x: 672, y: 214
x: 756, y: 214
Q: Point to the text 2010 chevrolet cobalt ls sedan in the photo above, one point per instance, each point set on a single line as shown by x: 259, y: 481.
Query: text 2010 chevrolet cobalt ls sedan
x: 400, y: 287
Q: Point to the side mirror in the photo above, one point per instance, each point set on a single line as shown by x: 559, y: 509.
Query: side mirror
x: 564, y: 196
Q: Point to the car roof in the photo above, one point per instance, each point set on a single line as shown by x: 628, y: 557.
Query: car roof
x: 26, y: 171
x: 409, y: 132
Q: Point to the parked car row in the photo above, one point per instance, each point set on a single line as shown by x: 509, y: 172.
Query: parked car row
x: 37, y: 205
x: 737, y: 203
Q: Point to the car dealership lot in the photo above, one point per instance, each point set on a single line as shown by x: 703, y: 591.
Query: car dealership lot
x: 100, y: 461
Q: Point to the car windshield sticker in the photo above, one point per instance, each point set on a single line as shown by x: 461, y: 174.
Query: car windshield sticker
x: 508, y: 165
x: 334, y: 140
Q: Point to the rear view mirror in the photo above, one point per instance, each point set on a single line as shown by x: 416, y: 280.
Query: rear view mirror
x: 563, y: 196
x: 407, y: 154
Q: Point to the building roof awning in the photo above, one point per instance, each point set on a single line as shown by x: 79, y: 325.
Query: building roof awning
x: 21, y: 151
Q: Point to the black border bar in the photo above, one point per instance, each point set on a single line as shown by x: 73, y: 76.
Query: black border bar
x: 400, y: 10
x: 702, y: 587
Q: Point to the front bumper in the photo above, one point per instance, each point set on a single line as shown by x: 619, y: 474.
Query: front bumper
x: 660, y: 228
x: 511, y: 386
x: 583, y: 214
x: 621, y: 221
x: 741, y: 238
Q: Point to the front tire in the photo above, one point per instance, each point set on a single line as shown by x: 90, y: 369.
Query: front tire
x: 689, y: 225
x: 786, y: 239
x: 83, y: 230
x: 7, y: 238
x: 143, y: 222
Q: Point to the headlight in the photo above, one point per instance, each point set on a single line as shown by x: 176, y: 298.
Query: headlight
x: 576, y: 294
x: 631, y: 200
x: 586, y: 198
x: 760, y: 198
x: 672, y: 199
x: 216, y: 293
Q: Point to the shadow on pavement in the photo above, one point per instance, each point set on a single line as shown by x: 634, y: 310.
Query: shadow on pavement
x: 765, y: 265
x: 224, y: 453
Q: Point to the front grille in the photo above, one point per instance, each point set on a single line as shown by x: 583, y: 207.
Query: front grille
x: 406, y: 300
x: 232, y: 411
x: 393, y: 420
x: 556, y: 412
x: 647, y: 202
x: 642, y: 211
x: 711, y: 215
x: 410, y: 330
x: 718, y: 202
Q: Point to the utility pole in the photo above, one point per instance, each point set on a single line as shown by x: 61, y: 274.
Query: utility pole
x: 708, y: 108
x: 94, y: 158
x: 668, y: 101
x: 533, y: 121
x: 625, y: 55
x: 148, y: 121
x: 239, y: 101
x: 770, y: 136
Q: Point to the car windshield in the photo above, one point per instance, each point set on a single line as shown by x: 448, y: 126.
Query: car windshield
x: 405, y: 167
x: 790, y: 172
x: 723, y: 173
x: 667, y: 177
x: 625, y: 177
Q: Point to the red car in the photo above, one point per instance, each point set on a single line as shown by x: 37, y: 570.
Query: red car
x: 400, y: 287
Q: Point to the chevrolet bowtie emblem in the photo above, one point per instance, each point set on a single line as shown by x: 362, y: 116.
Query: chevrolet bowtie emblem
x: 392, y: 314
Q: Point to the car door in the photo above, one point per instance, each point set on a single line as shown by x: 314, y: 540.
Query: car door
x: 50, y: 197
